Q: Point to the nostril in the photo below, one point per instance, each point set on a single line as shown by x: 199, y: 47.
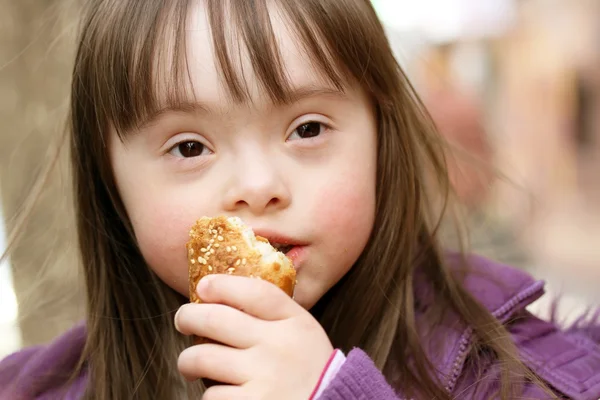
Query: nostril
x: 242, y: 203
x: 273, y: 202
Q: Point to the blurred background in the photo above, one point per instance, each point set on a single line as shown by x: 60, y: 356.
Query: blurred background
x: 515, y: 83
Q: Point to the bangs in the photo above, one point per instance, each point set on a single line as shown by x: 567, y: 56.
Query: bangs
x: 138, y: 63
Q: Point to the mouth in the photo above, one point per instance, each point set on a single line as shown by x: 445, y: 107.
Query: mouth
x: 283, y: 247
x: 282, y: 243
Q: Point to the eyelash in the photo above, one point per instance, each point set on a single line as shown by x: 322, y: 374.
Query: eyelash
x: 323, y: 125
x: 325, y: 129
x: 187, y: 140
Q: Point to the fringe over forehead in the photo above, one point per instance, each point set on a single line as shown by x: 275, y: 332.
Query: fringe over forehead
x: 136, y: 47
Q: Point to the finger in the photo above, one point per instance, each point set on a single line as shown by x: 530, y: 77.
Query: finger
x: 214, y: 361
x: 256, y: 297
x: 224, y: 392
x: 220, y: 323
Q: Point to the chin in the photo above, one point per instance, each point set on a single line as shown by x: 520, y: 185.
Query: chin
x: 306, y: 299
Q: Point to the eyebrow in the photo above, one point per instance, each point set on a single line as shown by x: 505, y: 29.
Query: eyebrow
x: 195, y: 107
x: 306, y: 92
x: 187, y: 107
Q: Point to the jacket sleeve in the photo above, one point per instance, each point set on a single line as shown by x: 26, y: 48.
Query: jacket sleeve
x: 358, y: 378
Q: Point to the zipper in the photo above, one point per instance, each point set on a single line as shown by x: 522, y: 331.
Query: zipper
x: 463, y: 351
x: 501, y: 314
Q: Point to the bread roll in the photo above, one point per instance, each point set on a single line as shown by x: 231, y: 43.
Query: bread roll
x: 222, y: 245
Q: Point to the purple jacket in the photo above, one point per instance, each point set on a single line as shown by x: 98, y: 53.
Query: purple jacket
x: 568, y: 361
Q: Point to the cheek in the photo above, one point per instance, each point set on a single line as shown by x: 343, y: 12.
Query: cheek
x: 346, y: 206
x: 161, y: 230
x: 345, y: 214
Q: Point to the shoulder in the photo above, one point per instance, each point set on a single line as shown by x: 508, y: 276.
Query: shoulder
x: 569, y: 360
x: 566, y: 358
x: 44, y: 370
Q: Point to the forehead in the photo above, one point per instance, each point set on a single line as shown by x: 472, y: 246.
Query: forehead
x: 284, y: 59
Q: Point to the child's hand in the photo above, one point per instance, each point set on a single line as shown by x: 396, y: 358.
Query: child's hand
x: 272, y: 348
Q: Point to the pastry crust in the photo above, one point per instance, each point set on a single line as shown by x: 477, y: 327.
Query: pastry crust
x: 222, y: 245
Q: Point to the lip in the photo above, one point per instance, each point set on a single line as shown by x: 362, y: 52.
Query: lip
x: 295, y: 254
x: 275, y: 237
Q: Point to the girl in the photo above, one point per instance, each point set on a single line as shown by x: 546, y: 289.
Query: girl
x: 294, y: 116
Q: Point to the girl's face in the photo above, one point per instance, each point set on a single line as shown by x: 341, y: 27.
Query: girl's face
x: 304, y: 171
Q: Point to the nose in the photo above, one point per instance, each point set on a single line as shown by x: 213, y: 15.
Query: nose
x: 257, y: 186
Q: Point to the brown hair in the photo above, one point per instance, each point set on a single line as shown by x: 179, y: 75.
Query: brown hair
x: 132, y: 348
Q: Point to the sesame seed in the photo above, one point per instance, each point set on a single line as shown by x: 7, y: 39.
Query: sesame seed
x: 230, y: 270
x: 238, y: 262
x: 212, y: 251
x: 203, y: 250
x: 212, y: 241
x: 228, y: 249
x: 220, y: 238
x: 193, y: 261
x: 243, y: 261
x: 191, y: 252
x: 201, y: 260
x: 234, y: 248
x: 217, y: 245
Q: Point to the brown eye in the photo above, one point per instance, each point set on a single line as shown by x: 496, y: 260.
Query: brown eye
x: 188, y: 149
x: 308, y: 130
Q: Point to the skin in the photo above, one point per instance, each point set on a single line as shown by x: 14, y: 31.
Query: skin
x: 304, y: 170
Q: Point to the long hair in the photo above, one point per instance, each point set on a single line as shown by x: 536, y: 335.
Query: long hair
x: 132, y: 346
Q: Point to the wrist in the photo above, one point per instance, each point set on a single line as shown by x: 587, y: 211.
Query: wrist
x: 335, y: 362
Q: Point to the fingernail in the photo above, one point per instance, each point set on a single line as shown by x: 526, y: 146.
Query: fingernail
x: 203, y: 285
x: 176, y: 319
